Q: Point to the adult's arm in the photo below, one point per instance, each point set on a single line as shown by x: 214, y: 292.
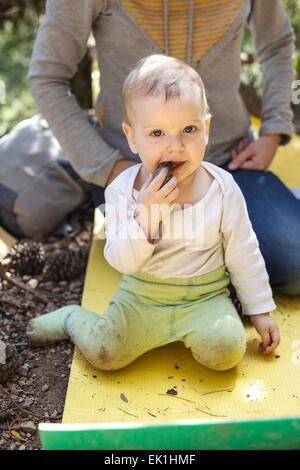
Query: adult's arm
x: 60, y: 46
x: 274, y: 44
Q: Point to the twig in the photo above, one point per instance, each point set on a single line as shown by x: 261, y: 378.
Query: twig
x: 211, y: 414
x: 127, y: 413
x: 30, y: 413
x: 51, y: 294
x: 54, y: 417
x: 215, y: 391
x: 174, y: 396
x: 7, y: 299
x: 23, y: 286
x: 14, y: 421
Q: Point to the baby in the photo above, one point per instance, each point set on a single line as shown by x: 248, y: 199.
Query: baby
x: 178, y: 229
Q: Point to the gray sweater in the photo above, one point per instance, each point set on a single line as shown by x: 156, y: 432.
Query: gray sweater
x: 120, y: 43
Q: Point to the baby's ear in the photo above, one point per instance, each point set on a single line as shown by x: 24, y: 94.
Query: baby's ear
x: 207, y: 126
x: 129, y: 132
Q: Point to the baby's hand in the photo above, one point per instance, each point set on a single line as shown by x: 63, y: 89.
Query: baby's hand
x: 153, y: 192
x: 268, y: 330
x: 160, y: 188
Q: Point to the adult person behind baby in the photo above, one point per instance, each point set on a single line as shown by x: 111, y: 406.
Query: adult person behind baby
x: 208, y: 36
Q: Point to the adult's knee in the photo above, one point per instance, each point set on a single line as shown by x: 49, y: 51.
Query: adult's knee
x: 286, y: 279
x: 39, y: 222
x: 291, y: 286
x: 29, y: 225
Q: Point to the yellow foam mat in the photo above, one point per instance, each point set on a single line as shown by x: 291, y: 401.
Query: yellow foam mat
x: 286, y: 164
x: 260, y: 387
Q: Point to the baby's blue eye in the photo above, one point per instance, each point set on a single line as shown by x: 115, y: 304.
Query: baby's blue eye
x: 156, y: 133
x: 189, y: 129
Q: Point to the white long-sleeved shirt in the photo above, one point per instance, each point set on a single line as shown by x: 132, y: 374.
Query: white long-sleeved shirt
x: 194, y: 240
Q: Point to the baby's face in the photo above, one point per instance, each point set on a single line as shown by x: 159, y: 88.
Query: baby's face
x: 172, y: 131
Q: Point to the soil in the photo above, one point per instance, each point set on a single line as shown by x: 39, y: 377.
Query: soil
x: 37, y: 393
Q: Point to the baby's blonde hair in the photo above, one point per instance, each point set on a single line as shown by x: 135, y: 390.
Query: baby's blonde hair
x: 161, y: 75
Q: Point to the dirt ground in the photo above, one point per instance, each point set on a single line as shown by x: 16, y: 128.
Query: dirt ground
x: 37, y: 392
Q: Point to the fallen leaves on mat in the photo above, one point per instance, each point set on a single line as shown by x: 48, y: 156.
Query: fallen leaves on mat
x: 171, y: 392
x: 123, y: 398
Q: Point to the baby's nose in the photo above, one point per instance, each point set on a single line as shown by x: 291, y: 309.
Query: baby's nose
x: 175, y: 144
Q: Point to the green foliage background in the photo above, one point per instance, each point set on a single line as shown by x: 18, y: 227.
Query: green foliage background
x: 250, y: 73
x: 17, y: 36
x: 15, y: 52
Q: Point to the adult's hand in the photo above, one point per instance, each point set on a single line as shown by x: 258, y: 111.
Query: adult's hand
x: 120, y: 166
x: 255, y: 156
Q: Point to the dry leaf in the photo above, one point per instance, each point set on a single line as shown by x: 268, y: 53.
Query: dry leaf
x: 16, y: 434
x: 123, y: 398
x: 171, y: 392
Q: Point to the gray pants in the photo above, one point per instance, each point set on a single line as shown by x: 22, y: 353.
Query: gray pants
x: 38, y: 186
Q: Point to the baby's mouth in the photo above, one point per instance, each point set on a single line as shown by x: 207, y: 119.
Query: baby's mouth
x: 175, y: 166
x: 172, y: 168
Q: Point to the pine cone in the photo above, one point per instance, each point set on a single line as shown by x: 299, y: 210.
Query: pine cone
x: 65, y: 265
x: 12, y: 362
x: 26, y: 258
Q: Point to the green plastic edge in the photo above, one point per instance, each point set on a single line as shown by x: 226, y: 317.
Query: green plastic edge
x: 253, y: 434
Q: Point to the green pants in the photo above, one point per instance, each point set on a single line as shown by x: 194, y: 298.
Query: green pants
x: 146, y: 313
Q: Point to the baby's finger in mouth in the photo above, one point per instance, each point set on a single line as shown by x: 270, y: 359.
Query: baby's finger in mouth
x: 169, y: 174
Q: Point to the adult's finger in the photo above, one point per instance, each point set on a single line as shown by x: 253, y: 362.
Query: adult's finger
x: 252, y: 164
x: 241, y: 158
x: 242, y: 145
